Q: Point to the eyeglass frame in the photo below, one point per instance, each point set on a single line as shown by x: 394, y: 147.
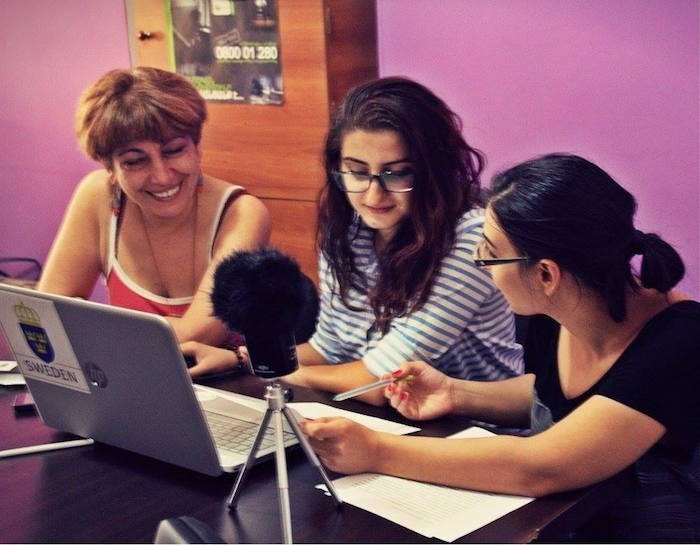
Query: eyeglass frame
x: 336, y: 175
x: 498, y: 261
x: 488, y: 262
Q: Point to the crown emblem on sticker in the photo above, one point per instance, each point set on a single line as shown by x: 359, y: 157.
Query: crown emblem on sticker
x: 27, y: 315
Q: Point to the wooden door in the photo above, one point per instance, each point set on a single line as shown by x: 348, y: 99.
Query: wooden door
x: 275, y: 151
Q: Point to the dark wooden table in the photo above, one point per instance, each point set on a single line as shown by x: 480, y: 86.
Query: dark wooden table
x: 101, y: 494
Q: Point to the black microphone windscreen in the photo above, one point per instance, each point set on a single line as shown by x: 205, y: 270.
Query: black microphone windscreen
x: 259, y: 291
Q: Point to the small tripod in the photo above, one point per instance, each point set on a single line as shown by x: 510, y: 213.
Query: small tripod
x: 276, y: 407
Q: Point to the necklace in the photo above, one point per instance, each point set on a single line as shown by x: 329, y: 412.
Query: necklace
x: 162, y: 289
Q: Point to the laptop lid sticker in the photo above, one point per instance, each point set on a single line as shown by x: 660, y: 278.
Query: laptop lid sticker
x: 40, y: 343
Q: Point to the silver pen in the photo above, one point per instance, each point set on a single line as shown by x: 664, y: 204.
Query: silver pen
x: 32, y: 449
x: 370, y: 387
x: 362, y: 389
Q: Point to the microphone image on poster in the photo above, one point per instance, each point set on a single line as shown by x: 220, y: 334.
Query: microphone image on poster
x: 264, y: 295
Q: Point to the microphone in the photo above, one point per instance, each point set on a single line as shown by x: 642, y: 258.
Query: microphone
x: 262, y: 294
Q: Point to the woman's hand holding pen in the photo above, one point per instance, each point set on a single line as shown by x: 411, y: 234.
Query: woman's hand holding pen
x: 426, y: 396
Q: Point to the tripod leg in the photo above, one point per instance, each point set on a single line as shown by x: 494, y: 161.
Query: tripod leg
x: 282, y: 479
x: 235, y: 492
x: 311, y: 455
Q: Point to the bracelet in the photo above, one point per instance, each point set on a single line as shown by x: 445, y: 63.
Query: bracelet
x: 239, y: 356
x: 234, y: 342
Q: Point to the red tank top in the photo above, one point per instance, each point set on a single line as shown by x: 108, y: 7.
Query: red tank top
x: 122, y: 291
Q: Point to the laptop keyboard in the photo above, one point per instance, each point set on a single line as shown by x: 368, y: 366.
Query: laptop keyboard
x: 238, y: 435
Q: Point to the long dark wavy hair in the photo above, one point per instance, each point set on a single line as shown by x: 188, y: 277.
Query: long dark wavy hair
x: 447, y: 183
x: 565, y: 208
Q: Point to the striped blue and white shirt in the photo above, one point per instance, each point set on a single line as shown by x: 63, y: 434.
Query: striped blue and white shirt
x: 465, y: 328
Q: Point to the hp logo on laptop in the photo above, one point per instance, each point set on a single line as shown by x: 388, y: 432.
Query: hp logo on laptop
x: 96, y: 375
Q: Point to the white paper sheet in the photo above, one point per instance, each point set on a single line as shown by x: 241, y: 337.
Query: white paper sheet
x: 430, y: 510
x: 9, y: 374
x: 317, y: 410
x: 11, y: 379
x: 7, y: 365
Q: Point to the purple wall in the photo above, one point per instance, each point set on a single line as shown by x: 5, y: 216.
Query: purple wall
x: 613, y: 80
x: 50, y: 52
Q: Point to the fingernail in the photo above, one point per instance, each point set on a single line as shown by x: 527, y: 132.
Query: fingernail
x: 404, y: 396
x: 391, y: 388
x: 397, y: 373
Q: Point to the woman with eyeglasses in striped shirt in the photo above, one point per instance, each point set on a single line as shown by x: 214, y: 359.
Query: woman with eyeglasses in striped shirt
x: 399, y: 217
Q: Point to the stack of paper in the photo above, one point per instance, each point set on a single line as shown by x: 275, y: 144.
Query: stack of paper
x: 431, y: 510
x: 9, y: 374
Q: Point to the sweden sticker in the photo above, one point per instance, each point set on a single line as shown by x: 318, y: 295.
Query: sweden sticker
x: 35, y: 335
x: 40, y: 343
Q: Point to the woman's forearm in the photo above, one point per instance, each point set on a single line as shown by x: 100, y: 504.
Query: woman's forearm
x: 338, y: 378
x: 504, y: 402
x: 500, y: 464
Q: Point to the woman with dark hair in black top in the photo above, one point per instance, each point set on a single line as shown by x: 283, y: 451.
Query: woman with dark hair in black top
x: 611, y: 358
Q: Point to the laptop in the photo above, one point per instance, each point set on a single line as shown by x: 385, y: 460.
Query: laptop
x: 118, y: 376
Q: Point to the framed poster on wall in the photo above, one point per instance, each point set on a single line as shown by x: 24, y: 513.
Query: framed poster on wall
x: 228, y: 49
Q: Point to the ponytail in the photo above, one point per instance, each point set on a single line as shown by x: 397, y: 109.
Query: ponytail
x: 662, y: 267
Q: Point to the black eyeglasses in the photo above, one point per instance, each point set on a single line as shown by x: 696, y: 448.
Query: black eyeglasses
x: 400, y: 181
x: 488, y: 262
x: 498, y: 261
